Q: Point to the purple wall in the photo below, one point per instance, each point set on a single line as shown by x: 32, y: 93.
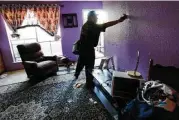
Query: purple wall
x: 5, y: 49
x: 153, y: 29
x: 69, y: 35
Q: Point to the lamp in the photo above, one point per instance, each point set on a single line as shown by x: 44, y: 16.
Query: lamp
x: 135, y: 73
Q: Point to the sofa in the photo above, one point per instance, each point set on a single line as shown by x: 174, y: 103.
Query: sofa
x: 34, y: 61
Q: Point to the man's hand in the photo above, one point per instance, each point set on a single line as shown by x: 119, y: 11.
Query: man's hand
x: 111, y: 23
x: 123, y: 18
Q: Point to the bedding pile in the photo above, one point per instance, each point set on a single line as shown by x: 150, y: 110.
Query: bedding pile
x: 154, y: 100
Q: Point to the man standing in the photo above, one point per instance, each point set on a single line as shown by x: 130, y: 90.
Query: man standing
x: 88, y: 40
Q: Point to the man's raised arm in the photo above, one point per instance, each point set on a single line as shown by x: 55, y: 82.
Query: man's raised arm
x: 111, y: 23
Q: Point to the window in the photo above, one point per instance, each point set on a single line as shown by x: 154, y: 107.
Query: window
x: 102, y: 17
x: 31, y: 34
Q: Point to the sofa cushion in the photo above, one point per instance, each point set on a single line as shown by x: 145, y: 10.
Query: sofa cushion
x: 46, y: 64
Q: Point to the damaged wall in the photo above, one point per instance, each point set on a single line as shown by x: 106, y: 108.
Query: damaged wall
x: 153, y: 29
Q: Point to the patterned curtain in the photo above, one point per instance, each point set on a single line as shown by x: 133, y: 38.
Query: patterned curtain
x: 14, y: 14
x: 47, y: 16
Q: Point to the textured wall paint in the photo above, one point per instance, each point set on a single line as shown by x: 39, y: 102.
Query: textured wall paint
x: 69, y: 35
x: 153, y: 29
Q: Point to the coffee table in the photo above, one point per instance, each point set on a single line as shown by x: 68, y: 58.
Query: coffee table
x: 103, y: 89
x: 103, y: 80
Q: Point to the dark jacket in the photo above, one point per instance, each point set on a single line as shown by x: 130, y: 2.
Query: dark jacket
x: 89, y: 37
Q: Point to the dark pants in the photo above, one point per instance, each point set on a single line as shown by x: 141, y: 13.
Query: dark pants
x: 87, y: 61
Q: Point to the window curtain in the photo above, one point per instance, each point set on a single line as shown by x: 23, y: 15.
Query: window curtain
x: 47, y: 16
x: 14, y: 14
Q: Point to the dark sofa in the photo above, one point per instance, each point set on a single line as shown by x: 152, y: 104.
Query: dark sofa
x: 34, y: 61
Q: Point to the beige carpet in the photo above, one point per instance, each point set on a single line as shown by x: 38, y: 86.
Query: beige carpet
x: 14, y: 77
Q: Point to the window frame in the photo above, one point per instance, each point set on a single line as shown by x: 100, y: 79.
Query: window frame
x: 9, y: 32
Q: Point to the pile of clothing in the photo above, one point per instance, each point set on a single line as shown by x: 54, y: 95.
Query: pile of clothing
x: 154, y: 101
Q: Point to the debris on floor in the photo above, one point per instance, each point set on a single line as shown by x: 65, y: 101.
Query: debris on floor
x: 78, y: 85
x: 66, y: 109
x: 69, y: 100
x: 3, y: 76
x: 92, y: 101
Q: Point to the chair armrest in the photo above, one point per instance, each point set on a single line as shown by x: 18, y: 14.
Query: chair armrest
x: 30, y: 64
x: 64, y: 60
x: 54, y: 58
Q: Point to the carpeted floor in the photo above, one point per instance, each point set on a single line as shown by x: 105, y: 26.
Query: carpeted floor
x: 55, y: 98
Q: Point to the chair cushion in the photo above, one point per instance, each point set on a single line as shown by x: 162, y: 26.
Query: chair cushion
x: 46, y: 64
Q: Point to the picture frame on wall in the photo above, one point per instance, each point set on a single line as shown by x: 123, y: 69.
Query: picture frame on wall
x: 70, y: 20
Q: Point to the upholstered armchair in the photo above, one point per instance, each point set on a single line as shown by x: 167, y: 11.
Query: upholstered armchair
x: 35, y: 63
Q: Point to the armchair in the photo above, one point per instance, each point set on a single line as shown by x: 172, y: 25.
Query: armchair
x: 34, y: 61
